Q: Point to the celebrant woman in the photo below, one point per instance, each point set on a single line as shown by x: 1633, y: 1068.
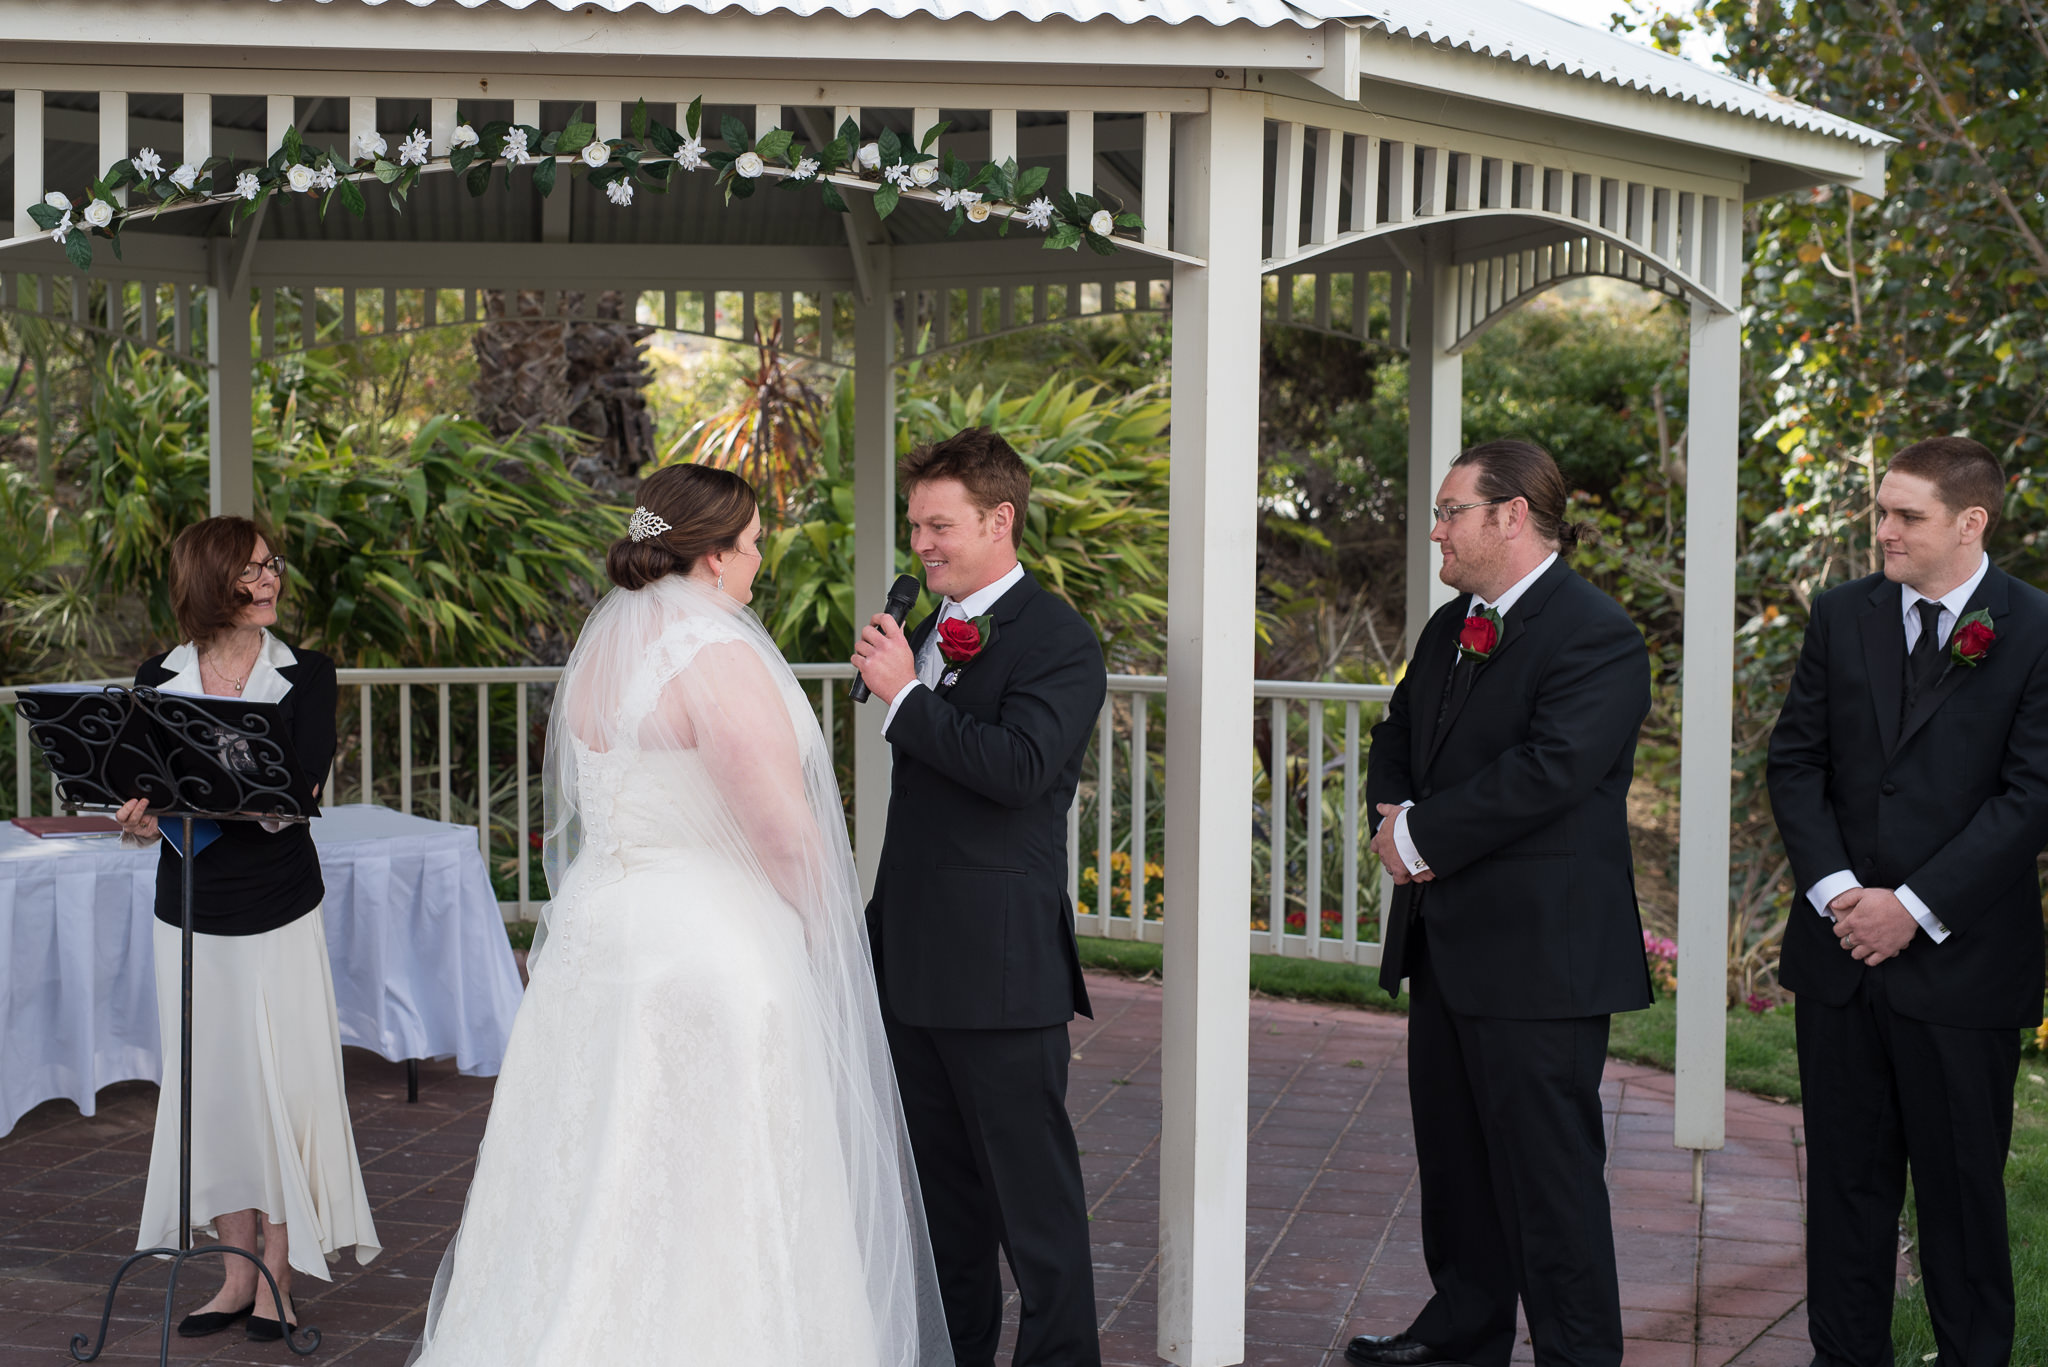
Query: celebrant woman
x: 271, y: 1143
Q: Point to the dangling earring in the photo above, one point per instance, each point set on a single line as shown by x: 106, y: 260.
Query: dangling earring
x: 721, y: 580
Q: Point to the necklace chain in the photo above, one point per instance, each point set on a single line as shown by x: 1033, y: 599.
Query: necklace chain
x: 237, y: 684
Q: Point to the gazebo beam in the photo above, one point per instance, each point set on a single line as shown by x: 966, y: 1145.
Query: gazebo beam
x: 1212, y: 565
x: 1704, y: 784
x: 1436, y: 398
x: 874, y: 519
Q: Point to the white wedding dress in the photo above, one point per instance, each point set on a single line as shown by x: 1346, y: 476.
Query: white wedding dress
x: 695, y: 1153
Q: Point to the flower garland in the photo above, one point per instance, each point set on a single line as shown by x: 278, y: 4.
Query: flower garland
x: 889, y: 167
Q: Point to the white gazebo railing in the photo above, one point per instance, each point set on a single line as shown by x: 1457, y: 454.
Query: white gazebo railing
x: 1316, y: 882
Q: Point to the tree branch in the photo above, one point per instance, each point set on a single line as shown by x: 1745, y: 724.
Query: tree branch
x: 2033, y: 242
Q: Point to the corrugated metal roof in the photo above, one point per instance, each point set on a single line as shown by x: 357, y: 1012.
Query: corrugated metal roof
x: 1522, y: 33
x: 1506, y: 29
x: 1264, y: 13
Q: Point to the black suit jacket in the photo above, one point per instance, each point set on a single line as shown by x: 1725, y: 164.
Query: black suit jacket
x: 1952, y: 801
x: 1520, y: 808
x: 970, y: 922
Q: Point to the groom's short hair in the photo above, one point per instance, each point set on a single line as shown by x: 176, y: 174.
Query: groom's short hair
x: 988, y: 467
x: 1964, y: 475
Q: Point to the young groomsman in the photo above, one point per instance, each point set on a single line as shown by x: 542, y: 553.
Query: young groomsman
x: 1909, y: 778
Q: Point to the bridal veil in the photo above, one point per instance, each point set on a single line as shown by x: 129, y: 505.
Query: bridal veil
x: 678, y: 675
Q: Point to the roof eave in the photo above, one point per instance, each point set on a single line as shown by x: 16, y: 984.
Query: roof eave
x: 1798, y: 157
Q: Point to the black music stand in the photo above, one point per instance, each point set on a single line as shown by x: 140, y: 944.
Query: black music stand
x: 194, y: 759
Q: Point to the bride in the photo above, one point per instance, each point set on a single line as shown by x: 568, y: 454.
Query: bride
x: 695, y: 1153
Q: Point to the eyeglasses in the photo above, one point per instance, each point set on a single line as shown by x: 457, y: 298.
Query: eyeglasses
x: 253, y: 571
x: 1446, y: 511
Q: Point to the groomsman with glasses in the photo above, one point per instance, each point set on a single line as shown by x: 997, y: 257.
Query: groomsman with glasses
x: 1499, y: 782
x: 1909, y: 778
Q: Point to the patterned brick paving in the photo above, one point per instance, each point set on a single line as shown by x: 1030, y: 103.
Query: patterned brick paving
x: 1334, y: 1246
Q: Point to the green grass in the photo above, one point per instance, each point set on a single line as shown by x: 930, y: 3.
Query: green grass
x: 1761, y: 1058
x: 1272, y: 974
x: 2026, y: 1213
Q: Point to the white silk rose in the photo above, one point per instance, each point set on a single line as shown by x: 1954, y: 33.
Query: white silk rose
x: 1102, y: 224
x: 748, y: 164
x: 99, y: 213
x: 300, y: 178
x: 924, y: 173
x: 977, y: 212
x: 370, y: 143
x: 463, y: 136
x: 186, y: 176
x: 596, y: 153
x: 870, y: 156
x: 57, y: 199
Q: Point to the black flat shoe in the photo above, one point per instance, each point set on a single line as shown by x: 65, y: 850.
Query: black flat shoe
x: 200, y: 1326
x: 262, y: 1330
x: 1385, y: 1350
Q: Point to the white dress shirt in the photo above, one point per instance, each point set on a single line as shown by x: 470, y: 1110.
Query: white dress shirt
x: 930, y: 663
x: 1410, y: 858
x: 1842, y: 880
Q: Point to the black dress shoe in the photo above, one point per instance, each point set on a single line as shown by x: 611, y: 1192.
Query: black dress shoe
x: 262, y: 1330
x: 1388, y: 1350
x: 199, y: 1326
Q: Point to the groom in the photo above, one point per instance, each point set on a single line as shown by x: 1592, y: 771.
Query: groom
x: 991, y: 702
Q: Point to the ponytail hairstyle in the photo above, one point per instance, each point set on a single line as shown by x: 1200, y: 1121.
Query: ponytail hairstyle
x: 706, y: 509
x: 1514, y: 467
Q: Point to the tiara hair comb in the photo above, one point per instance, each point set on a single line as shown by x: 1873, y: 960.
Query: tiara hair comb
x: 643, y: 525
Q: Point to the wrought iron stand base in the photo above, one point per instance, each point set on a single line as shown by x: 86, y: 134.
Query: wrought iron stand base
x: 292, y: 1336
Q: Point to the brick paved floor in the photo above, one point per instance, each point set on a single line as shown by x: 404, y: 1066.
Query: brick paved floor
x: 1333, y: 1249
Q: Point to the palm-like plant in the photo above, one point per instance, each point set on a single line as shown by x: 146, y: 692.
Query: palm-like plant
x: 770, y: 436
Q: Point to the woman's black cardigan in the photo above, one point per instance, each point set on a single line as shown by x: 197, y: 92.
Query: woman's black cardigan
x: 251, y: 880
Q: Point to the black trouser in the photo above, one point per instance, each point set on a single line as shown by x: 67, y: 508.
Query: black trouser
x: 1512, y: 1152
x: 1883, y: 1091
x: 987, y: 1114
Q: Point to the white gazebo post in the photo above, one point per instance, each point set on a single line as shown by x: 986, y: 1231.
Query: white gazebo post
x: 1712, y: 452
x: 1212, y: 565
x: 874, y: 507
x: 1436, y: 398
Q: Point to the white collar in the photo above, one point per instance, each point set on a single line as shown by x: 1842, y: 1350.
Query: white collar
x: 1514, y: 594
x: 984, y: 598
x: 265, y: 683
x: 1954, y: 601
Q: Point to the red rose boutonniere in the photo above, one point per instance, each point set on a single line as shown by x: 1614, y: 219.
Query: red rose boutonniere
x: 1479, y: 636
x: 961, y: 641
x: 1972, y: 639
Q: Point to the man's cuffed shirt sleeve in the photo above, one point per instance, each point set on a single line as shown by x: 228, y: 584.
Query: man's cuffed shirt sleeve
x: 1922, y: 913
x: 1404, y: 844
x: 897, y: 702
x: 1829, y: 888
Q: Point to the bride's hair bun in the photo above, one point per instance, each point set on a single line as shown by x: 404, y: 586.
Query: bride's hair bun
x: 706, y: 510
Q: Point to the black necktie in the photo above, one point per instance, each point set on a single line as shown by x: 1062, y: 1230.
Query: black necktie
x: 1924, y: 665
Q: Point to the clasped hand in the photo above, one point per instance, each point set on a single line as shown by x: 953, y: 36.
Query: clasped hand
x: 1390, y: 854
x: 1872, y: 924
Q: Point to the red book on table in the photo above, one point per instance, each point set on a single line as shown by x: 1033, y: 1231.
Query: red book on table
x: 72, y: 827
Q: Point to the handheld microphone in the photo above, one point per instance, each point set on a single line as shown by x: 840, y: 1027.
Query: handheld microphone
x: 902, y: 594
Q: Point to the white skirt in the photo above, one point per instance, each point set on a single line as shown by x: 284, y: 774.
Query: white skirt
x: 270, y: 1128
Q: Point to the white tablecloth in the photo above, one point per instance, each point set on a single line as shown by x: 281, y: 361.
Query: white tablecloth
x: 422, y: 968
